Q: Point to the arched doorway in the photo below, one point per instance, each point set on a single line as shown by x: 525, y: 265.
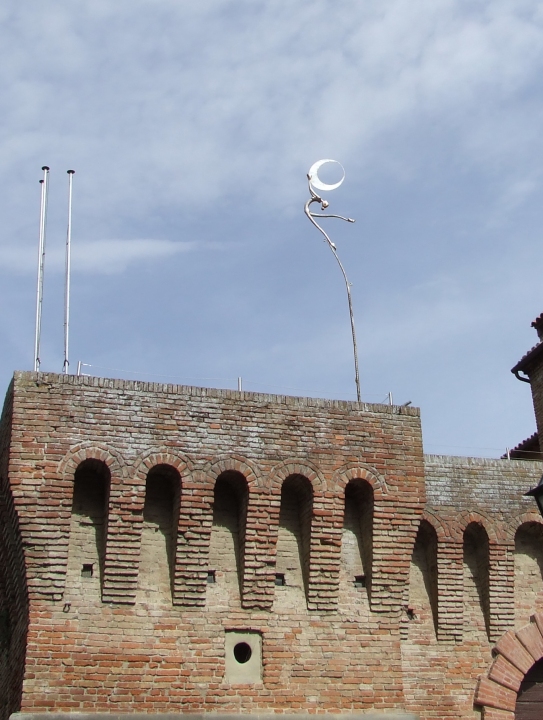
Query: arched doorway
x: 514, y: 681
x: 530, y: 695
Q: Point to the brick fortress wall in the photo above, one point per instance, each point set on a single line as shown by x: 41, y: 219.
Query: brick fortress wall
x: 475, y: 579
x: 161, y: 523
x: 187, y: 503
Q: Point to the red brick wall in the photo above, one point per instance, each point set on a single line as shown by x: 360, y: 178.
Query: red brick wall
x: 441, y: 674
x: 147, y: 631
x: 536, y: 384
x: 127, y: 646
x: 13, y: 590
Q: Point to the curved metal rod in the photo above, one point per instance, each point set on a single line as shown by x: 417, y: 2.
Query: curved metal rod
x: 341, y: 217
x: 324, y: 204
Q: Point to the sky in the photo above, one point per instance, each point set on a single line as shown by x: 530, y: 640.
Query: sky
x: 191, y: 128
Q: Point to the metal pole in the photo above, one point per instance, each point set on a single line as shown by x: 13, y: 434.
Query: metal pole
x: 67, y: 275
x: 324, y: 204
x: 240, y: 388
x: 41, y: 262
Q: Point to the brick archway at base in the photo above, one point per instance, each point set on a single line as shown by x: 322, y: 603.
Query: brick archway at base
x: 515, y: 654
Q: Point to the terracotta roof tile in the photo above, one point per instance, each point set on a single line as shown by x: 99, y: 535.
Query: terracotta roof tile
x: 525, y: 359
x: 526, y: 450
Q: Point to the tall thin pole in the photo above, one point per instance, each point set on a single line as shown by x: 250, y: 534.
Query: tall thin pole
x: 313, y: 179
x: 67, y: 274
x: 41, y: 262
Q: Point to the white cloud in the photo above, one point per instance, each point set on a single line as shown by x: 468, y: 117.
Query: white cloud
x: 199, y: 120
x: 104, y: 257
x: 181, y: 105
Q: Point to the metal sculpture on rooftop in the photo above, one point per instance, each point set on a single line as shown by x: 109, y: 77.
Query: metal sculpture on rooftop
x: 315, y: 183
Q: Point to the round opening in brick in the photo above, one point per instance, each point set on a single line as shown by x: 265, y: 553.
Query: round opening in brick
x: 242, y: 652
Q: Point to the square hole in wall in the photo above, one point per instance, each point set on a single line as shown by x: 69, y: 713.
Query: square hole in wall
x: 280, y: 579
x: 87, y: 570
x: 243, y: 657
x: 360, y: 581
x: 211, y: 579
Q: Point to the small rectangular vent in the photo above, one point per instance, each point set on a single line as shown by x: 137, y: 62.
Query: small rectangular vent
x: 280, y: 579
x: 360, y: 581
x: 211, y: 577
x: 87, y: 571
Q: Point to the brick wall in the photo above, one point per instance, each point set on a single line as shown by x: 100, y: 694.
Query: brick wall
x: 476, y: 507
x: 536, y: 384
x: 401, y: 572
x: 13, y: 587
x: 261, y: 490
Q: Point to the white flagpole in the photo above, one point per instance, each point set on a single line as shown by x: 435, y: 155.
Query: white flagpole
x: 67, y: 274
x: 41, y: 262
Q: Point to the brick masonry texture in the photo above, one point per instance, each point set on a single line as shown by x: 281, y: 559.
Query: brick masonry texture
x: 141, y: 522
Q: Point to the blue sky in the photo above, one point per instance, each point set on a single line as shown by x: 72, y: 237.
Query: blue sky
x: 191, y: 127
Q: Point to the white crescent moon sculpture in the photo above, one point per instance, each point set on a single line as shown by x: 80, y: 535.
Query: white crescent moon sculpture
x: 316, y: 182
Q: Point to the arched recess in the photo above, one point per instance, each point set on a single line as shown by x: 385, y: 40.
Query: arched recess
x: 126, y: 510
x: 357, y: 535
x: 359, y: 471
x: 320, y: 538
x: 450, y: 576
x: 88, y: 531
x: 421, y: 621
x: 293, y: 560
x: 159, y: 533
x: 227, y: 542
x: 389, y: 578
x: 476, y: 560
x: 528, y: 570
x: 67, y: 467
x: 515, y: 655
x: 289, y: 468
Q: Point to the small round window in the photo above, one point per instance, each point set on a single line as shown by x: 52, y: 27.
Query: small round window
x: 242, y: 652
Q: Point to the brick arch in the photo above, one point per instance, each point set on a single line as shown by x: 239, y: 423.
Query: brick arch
x: 92, y: 451
x: 514, y: 655
x: 158, y: 456
x: 66, y: 471
x: 514, y: 524
x: 285, y: 469
x: 359, y: 471
x: 495, y: 532
x: 151, y: 459
x: 442, y: 528
x: 234, y: 463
